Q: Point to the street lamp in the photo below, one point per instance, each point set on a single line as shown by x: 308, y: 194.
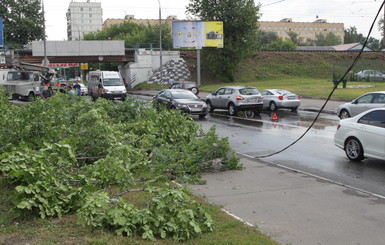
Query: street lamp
x: 160, y: 45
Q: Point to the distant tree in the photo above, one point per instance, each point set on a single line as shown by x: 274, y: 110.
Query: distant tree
x: 380, y: 26
x: 293, y: 37
x: 22, y: 22
x: 264, y: 38
x: 352, y: 36
x: 240, y: 19
x: 134, y: 34
x: 329, y: 40
x: 280, y: 44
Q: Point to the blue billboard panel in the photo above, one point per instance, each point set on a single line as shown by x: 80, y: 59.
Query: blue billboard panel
x: 1, y: 33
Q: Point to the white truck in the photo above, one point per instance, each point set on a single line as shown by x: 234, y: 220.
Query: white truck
x: 25, y: 81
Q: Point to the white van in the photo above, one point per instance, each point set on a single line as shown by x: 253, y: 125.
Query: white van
x: 106, y: 84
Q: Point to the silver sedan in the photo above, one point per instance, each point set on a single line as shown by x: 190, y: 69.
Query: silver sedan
x: 274, y: 99
x: 363, y: 103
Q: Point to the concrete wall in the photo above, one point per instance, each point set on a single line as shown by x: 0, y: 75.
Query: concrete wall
x: 146, y: 63
x: 79, y: 48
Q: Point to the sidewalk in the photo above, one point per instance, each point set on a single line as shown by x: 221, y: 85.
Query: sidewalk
x: 295, y: 208
x: 307, y: 104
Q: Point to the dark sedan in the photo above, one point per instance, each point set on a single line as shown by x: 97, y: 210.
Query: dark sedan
x: 183, y: 100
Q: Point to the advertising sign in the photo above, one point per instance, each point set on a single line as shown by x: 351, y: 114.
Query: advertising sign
x: 197, y: 34
x: 1, y: 33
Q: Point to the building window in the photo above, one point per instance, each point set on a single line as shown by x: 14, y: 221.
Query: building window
x: 81, y: 9
x: 263, y: 28
x: 281, y: 28
x: 90, y: 15
x: 316, y: 28
x: 295, y: 28
x: 269, y: 27
x: 310, y: 28
x: 305, y: 28
x: 275, y: 28
x: 90, y: 9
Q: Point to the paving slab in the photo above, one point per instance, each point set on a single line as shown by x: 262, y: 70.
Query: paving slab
x: 296, y: 208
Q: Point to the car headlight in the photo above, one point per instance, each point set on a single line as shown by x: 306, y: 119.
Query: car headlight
x: 181, y: 106
x: 204, y: 105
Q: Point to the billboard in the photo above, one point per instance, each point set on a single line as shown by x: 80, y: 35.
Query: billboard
x: 197, y: 34
x: 1, y: 33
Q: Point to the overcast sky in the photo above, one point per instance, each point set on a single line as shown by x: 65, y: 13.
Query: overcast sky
x: 358, y: 13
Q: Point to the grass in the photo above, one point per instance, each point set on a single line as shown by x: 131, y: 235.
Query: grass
x: 31, y: 230
x: 305, y: 87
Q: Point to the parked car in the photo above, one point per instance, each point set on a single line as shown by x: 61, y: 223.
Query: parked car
x: 274, y: 99
x: 183, y: 100
x: 189, y: 85
x: 83, y: 89
x: 370, y: 75
x: 363, y: 135
x: 234, y: 99
x: 361, y: 104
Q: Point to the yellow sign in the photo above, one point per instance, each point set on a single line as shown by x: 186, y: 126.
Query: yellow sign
x: 84, y: 66
x: 214, y: 34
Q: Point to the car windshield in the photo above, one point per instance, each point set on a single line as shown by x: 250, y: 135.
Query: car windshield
x: 19, y: 76
x: 283, y: 92
x: 249, y: 91
x: 113, y: 82
x: 183, y: 95
x: 189, y: 85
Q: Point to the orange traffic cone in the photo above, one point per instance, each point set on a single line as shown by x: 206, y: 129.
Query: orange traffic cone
x: 274, y: 117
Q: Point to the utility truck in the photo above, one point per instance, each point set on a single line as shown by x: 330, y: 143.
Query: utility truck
x: 24, y: 81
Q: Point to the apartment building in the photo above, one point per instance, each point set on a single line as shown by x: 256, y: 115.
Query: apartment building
x: 82, y: 18
x: 306, y: 30
x: 131, y: 18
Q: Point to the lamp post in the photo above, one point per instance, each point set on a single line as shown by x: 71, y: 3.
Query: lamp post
x: 160, y: 46
x: 45, y: 60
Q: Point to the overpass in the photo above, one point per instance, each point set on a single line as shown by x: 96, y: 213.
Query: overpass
x: 136, y: 65
x: 76, y: 52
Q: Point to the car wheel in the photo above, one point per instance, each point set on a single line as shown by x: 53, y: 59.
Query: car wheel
x: 249, y: 114
x: 194, y: 90
x: 232, y: 110
x: 209, y: 107
x: 30, y: 97
x: 354, y: 150
x: 201, y: 116
x: 344, y: 114
x: 272, y: 106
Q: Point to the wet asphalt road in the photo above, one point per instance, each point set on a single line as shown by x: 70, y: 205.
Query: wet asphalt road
x: 315, y: 153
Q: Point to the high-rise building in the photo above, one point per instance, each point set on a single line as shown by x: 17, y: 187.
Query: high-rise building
x: 83, y: 18
x: 306, y: 31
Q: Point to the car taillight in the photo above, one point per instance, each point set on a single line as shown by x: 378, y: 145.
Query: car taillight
x: 338, y: 127
x: 239, y: 98
x: 280, y: 97
x: 299, y: 97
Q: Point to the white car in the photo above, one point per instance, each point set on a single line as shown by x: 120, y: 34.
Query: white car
x: 363, y: 135
x: 83, y: 89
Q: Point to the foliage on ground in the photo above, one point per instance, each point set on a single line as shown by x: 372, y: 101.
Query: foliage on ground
x: 61, y: 157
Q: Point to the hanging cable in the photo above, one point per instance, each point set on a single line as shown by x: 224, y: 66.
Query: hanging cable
x: 331, y: 93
